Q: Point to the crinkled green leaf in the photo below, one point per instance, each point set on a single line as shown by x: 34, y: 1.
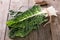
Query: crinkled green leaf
x: 25, y: 15
x: 26, y: 26
x: 24, y: 22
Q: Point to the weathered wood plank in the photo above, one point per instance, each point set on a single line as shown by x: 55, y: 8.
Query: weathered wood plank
x: 44, y: 33
x: 55, y: 24
x: 16, y: 4
x: 4, y: 6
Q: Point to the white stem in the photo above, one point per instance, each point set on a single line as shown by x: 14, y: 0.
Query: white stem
x: 51, y: 11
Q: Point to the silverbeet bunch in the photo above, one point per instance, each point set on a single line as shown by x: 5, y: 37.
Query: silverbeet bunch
x: 24, y: 22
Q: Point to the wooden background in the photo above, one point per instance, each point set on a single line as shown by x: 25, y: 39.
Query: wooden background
x: 50, y: 32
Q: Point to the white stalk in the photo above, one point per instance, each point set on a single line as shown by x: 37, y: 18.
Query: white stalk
x: 51, y: 10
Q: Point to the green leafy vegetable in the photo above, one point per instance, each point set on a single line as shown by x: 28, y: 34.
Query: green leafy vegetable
x: 24, y: 22
x: 26, y: 26
x: 27, y: 14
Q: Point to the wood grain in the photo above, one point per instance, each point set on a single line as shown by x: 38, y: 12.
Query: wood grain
x: 55, y: 24
x: 43, y: 33
x: 4, y: 6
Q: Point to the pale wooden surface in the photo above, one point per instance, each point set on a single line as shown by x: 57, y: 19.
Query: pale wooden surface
x: 4, y: 5
x: 55, y: 25
x: 44, y: 33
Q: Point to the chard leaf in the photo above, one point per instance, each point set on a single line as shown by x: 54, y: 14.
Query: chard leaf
x: 26, y: 26
x: 24, y: 22
x: 27, y: 14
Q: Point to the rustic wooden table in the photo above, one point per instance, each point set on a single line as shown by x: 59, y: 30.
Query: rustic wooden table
x: 44, y: 33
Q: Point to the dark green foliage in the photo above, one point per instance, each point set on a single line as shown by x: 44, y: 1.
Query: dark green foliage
x: 25, y: 27
x: 25, y: 15
x: 24, y: 22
